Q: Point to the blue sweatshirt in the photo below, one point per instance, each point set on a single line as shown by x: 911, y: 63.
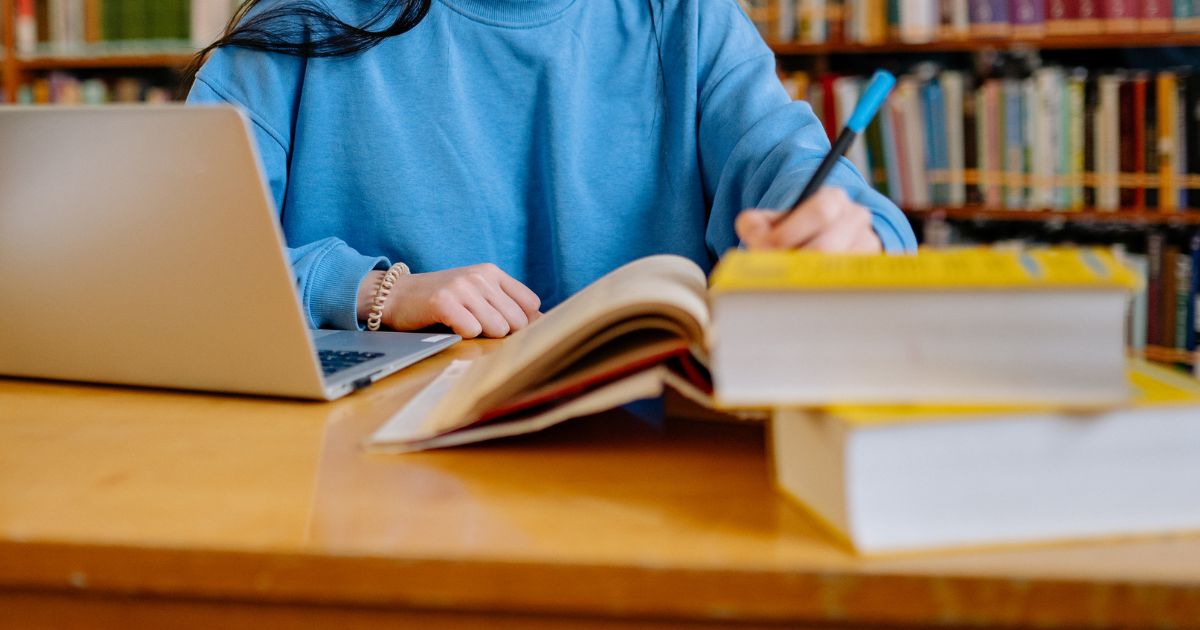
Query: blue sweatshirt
x: 557, y: 139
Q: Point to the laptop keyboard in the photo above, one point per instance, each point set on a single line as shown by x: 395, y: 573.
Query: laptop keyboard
x: 333, y: 361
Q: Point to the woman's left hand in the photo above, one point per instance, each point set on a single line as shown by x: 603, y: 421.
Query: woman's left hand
x: 828, y: 222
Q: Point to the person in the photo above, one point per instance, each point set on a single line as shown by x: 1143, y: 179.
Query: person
x: 510, y: 152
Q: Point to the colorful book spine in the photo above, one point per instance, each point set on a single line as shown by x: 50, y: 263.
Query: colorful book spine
x: 1167, y: 97
x: 26, y: 27
x: 989, y: 18
x: 1119, y: 16
x: 1185, y: 298
x: 1187, y: 16
x: 1156, y: 16
x: 1014, y: 144
x: 1090, y: 17
x: 1192, y: 337
x: 1154, y: 257
x: 1028, y: 18
x: 1062, y: 17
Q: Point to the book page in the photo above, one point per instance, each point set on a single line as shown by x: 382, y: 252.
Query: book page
x: 661, y: 287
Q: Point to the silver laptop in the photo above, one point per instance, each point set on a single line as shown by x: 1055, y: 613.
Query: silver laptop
x: 140, y: 246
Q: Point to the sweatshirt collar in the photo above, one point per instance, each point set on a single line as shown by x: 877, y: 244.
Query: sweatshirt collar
x: 511, y: 13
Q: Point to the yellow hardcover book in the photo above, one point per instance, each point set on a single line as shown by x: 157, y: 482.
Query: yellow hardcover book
x: 975, y: 326
x: 962, y: 269
x: 1168, y: 123
x: 903, y: 479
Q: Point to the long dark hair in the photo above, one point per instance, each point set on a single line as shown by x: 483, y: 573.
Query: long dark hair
x: 307, y: 28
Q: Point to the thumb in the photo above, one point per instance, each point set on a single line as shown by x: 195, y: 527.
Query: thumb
x: 754, y: 227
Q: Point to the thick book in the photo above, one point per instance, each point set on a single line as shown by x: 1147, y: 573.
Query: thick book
x: 1155, y: 244
x: 964, y: 326
x: 919, y: 478
x: 624, y: 338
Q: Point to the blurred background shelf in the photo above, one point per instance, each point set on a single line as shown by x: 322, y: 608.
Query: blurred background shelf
x: 978, y: 44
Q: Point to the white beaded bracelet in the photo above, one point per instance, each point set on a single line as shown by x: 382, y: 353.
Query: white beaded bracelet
x: 375, y: 317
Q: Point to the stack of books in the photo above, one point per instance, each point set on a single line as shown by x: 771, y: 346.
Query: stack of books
x: 958, y: 398
x: 923, y: 21
x: 994, y: 399
x: 1058, y: 139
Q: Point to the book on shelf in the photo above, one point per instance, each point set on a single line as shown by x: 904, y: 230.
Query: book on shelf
x: 1060, y: 139
x: 923, y: 21
x: 891, y: 480
x: 69, y: 26
x: 62, y: 88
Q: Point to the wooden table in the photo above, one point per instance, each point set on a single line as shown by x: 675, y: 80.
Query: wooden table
x: 121, y: 506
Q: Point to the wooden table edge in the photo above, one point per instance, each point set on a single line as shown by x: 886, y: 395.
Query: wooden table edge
x: 691, y: 594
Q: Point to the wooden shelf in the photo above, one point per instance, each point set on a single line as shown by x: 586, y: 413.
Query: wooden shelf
x: 1169, y: 355
x: 1102, y: 41
x: 150, y: 54
x: 1128, y: 217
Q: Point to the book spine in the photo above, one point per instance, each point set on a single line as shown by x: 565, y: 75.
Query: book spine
x: 1090, y: 21
x: 1167, y: 286
x: 1154, y: 258
x: 1184, y: 299
x: 1129, y: 134
x: 1191, y: 116
x: 1062, y: 17
x: 112, y: 20
x: 989, y: 18
x: 1167, y: 96
x: 1179, y: 135
x: 1187, y: 16
x: 1193, y: 332
x: 25, y: 23
x: 954, y: 140
x: 876, y: 157
x: 1119, y: 16
x: 1028, y: 18
x: 92, y: 19
x: 1075, y: 121
x: 1014, y: 144
x: 1091, y: 124
x: 1108, y: 143
x: 972, y: 181
x: 918, y: 22
x: 785, y: 27
x: 1139, y: 146
x: 934, y: 119
x: 1137, y: 310
x: 1150, y: 178
x: 1156, y: 16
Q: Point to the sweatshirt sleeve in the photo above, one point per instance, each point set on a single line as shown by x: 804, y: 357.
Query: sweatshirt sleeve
x: 328, y: 272
x: 758, y: 148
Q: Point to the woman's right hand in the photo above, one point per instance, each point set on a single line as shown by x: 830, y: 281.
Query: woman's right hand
x: 473, y: 301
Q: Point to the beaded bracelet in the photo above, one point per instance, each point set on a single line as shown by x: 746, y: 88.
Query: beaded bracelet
x: 375, y: 317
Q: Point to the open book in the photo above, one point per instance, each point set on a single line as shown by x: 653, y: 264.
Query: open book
x: 799, y: 329
x: 624, y: 338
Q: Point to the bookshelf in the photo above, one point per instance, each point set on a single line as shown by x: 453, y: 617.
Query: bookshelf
x: 162, y: 58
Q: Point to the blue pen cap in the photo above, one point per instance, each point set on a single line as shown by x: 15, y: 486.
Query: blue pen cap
x: 871, y: 100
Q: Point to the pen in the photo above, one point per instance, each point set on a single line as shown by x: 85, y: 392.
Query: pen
x: 868, y: 104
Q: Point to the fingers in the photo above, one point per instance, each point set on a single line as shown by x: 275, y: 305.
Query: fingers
x: 753, y: 227
x: 529, y: 302
x: 491, y: 321
x: 829, y: 222
x: 508, y: 308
